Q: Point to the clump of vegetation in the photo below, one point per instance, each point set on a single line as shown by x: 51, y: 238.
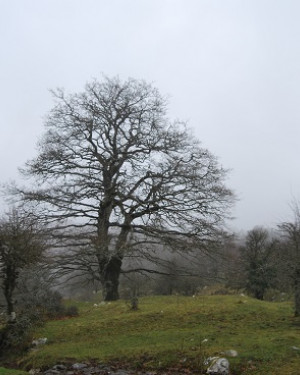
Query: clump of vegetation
x: 16, y: 336
x: 35, y: 303
x: 22, y: 245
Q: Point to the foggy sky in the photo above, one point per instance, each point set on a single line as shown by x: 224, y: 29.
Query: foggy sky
x: 231, y: 69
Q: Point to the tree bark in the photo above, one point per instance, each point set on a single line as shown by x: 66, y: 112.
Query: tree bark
x: 111, y: 279
x: 112, y: 270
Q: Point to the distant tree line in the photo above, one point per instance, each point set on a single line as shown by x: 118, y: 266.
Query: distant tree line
x: 269, y: 260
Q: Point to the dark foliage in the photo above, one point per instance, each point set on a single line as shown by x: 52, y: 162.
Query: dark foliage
x: 258, y: 258
x: 17, y: 336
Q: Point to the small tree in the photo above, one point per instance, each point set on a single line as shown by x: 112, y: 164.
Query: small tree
x: 258, y: 263
x: 21, y: 245
x: 290, y: 257
x: 116, y: 176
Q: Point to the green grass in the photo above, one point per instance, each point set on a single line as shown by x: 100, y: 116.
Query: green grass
x: 5, y: 371
x: 168, y: 331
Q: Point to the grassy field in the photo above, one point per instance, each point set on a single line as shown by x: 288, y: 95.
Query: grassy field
x: 176, y: 332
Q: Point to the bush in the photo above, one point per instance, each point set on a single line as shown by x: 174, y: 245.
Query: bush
x: 52, y: 304
x: 35, y: 302
x: 16, y: 336
x: 35, y: 293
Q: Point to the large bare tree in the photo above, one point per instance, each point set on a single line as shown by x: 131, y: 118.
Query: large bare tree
x: 113, y: 174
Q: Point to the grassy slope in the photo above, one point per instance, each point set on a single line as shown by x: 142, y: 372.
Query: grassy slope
x: 168, y: 331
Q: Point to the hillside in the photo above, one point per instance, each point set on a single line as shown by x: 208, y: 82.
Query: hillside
x: 176, y: 332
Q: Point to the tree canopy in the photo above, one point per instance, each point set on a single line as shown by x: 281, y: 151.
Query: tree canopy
x: 113, y: 175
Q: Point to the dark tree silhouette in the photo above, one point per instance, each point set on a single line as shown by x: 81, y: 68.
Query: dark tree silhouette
x: 290, y: 258
x: 114, y: 175
x: 21, y: 245
x: 258, y: 262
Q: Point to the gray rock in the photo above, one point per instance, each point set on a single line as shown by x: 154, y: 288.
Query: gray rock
x: 59, y: 367
x: 40, y: 341
x: 231, y: 353
x: 94, y: 370
x: 79, y: 366
x: 52, y: 372
x: 34, y: 371
x: 295, y: 348
x: 218, y: 366
x: 87, y: 369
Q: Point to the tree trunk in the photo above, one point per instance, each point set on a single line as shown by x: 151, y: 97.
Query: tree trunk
x: 111, y: 279
x: 110, y: 266
x: 259, y: 294
x: 112, y: 269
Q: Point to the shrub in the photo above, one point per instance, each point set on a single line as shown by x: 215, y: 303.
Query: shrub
x: 16, y: 336
x: 35, y: 292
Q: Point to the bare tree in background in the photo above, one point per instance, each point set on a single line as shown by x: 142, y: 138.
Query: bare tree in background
x: 290, y: 257
x: 21, y: 245
x: 114, y: 175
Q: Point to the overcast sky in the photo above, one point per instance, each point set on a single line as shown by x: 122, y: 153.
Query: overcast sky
x: 230, y: 67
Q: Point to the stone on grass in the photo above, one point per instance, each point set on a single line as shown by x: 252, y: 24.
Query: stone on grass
x: 217, y: 366
x: 79, y: 366
x: 40, y: 341
x: 34, y: 371
x: 230, y: 353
